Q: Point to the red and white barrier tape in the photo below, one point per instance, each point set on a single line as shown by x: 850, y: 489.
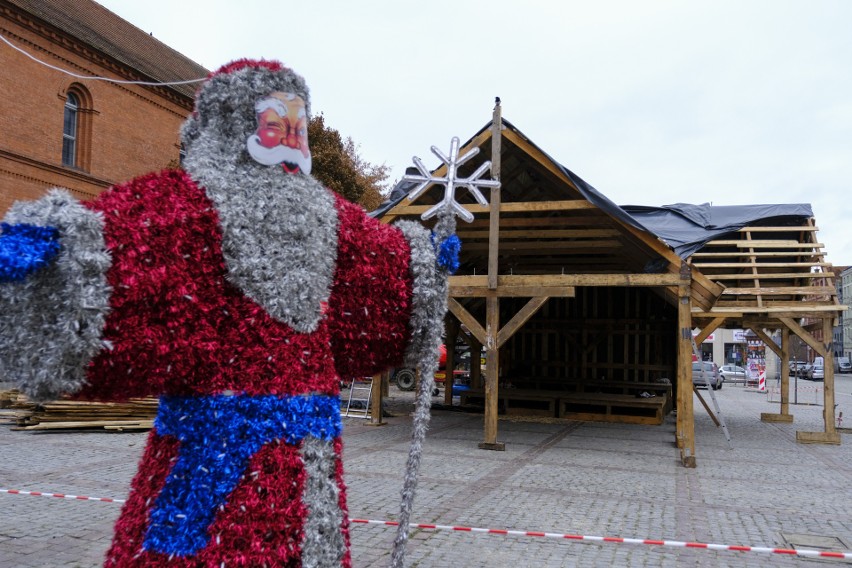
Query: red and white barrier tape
x: 619, y: 540
x: 61, y: 496
x: 505, y: 532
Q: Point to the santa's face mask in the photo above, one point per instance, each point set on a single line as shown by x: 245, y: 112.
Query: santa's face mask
x: 282, y: 133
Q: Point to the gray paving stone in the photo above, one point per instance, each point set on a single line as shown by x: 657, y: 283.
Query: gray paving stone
x: 566, y: 478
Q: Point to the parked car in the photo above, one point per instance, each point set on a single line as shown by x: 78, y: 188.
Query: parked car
x: 708, y: 369
x: 799, y: 368
x: 816, y: 373
x: 732, y: 374
x: 844, y: 365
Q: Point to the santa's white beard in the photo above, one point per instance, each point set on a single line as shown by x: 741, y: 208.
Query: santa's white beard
x: 279, y: 237
x: 277, y: 155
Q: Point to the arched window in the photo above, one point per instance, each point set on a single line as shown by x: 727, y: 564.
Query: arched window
x: 79, y: 111
x: 69, y: 131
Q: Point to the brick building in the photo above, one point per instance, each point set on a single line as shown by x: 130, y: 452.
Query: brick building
x: 83, y: 134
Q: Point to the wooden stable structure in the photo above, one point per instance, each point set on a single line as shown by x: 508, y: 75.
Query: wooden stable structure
x: 585, y: 314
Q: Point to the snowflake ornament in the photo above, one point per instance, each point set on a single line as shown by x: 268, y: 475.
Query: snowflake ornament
x: 451, y: 181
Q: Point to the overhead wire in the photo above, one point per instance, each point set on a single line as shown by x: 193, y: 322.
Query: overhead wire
x: 95, y: 77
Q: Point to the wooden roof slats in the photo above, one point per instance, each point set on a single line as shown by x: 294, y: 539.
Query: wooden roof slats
x: 526, y: 233
x: 770, y: 276
x: 772, y: 229
x: 772, y: 272
x: 765, y: 244
x: 782, y: 291
x: 505, y: 207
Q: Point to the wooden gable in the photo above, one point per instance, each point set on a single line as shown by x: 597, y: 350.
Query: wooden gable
x: 549, y: 233
x: 574, y: 303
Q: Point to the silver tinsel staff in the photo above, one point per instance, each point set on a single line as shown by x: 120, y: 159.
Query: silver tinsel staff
x: 445, y: 228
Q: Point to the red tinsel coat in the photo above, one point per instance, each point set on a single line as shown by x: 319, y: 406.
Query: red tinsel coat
x: 178, y: 327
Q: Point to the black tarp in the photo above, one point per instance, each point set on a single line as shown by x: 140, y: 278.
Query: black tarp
x: 687, y: 228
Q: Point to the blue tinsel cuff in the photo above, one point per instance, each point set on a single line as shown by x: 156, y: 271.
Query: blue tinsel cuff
x: 448, y: 253
x: 25, y: 249
x: 218, y: 436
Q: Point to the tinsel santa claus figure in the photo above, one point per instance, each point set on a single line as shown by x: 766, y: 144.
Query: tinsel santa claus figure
x: 240, y: 291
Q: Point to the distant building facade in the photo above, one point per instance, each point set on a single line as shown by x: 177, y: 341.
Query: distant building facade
x: 738, y: 347
x: 83, y: 134
x: 844, y: 337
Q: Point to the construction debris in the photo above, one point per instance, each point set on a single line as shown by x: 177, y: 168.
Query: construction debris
x: 24, y: 414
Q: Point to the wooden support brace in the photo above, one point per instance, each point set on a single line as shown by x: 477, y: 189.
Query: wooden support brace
x: 773, y: 417
x: 818, y: 438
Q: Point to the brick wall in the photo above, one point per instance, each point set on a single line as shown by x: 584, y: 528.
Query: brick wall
x: 126, y: 131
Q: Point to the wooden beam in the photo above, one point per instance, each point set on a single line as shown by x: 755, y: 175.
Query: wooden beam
x: 785, y: 371
x: 451, y: 325
x: 519, y: 234
x: 544, y: 247
x: 758, y: 264
x: 828, y: 380
x: 781, y: 311
x: 513, y: 292
x: 782, y: 291
x: 708, y: 329
x: 752, y: 255
x: 468, y: 320
x: 705, y: 405
x: 761, y: 243
x: 807, y: 338
x: 685, y: 410
x: 376, y: 401
x: 492, y: 375
x: 508, y: 207
x: 494, y: 204
x: 563, y: 280
x: 818, y: 438
x: 519, y: 319
x: 768, y: 341
x: 791, y: 229
x: 771, y: 276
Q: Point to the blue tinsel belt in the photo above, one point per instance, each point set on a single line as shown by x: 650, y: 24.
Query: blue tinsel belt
x: 218, y: 436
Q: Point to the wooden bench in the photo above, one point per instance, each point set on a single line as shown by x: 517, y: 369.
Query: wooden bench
x: 593, y: 406
x: 568, y: 386
x: 631, y: 388
x: 609, y: 407
x: 518, y: 401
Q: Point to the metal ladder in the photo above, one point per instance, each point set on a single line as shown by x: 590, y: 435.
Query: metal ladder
x: 712, y: 392
x: 361, y: 394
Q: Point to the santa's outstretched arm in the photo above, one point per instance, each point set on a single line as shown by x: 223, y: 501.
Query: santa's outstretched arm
x: 54, y: 296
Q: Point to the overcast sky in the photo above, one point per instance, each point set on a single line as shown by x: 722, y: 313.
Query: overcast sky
x: 652, y: 102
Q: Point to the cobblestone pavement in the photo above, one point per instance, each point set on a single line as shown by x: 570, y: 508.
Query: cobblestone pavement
x: 561, y: 477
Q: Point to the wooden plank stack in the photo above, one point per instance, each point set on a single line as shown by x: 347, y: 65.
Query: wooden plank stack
x: 24, y: 414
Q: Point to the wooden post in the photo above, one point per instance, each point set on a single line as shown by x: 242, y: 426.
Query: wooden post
x: 784, y: 415
x: 492, y: 303
x: 785, y: 371
x: 376, y: 401
x: 452, y: 327
x: 492, y: 374
x: 828, y: 381
x: 830, y: 435
x: 494, y: 205
x: 475, y: 363
x: 685, y: 411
